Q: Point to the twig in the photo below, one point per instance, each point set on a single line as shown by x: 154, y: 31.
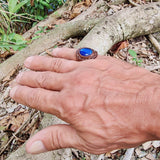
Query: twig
x: 133, y: 3
x: 18, y: 131
x: 128, y: 154
x: 154, y: 43
x: 19, y: 139
x: 35, y: 119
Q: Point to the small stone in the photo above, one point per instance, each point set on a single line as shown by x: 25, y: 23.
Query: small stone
x: 143, y: 158
x: 110, y: 12
x: 2, y: 112
x: 144, y: 45
x: 147, y: 145
x: 85, y: 51
x: 156, y: 144
x: 140, y: 153
x: 150, y: 156
x: 151, y: 57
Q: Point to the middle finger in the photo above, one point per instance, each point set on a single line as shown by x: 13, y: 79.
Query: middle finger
x: 48, y: 80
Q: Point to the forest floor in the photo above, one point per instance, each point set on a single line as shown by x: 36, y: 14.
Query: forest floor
x: 18, y: 122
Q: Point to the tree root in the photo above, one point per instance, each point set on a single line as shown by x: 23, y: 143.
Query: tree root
x: 126, y: 24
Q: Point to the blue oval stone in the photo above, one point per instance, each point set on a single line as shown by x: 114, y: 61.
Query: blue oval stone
x: 85, y: 51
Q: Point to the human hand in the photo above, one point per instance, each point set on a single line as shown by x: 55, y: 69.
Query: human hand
x: 107, y: 103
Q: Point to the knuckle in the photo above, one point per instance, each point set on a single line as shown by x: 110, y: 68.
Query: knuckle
x: 42, y: 80
x: 56, y: 139
x: 56, y: 64
x: 33, y: 98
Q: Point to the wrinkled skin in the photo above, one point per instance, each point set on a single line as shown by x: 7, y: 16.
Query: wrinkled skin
x: 108, y: 104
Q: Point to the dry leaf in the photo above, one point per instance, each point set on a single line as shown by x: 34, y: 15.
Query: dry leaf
x: 11, y: 74
x: 118, y: 46
x: 60, y: 21
x: 13, y: 121
x: 32, y: 3
x: 78, y: 9
x: 7, y: 53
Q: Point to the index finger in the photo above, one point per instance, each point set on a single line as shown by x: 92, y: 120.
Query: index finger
x: 38, y: 98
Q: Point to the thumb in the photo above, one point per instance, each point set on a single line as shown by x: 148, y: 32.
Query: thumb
x: 52, y: 138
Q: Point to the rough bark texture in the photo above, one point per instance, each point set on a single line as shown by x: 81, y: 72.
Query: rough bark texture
x: 126, y: 24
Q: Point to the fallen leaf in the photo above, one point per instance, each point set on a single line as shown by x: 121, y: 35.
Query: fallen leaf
x: 60, y: 21
x: 79, y: 8
x: 13, y: 121
x: 7, y: 53
x: 32, y: 3
x: 118, y: 46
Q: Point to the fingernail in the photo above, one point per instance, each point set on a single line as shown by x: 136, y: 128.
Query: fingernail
x: 13, y: 90
x: 36, y: 148
x: 19, y: 77
x: 55, y: 51
x: 28, y: 61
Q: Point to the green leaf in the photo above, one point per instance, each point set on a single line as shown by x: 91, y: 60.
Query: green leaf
x: 2, y: 128
x: 15, y: 48
x: 36, y: 37
x: 11, y: 5
x: 2, y: 31
x: 18, y: 37
x: 2, y: 11
x: 37, y: 32
x: 11, y: 36
x: 45, y: 4
x: 19, y: 5
x: 132, y: 53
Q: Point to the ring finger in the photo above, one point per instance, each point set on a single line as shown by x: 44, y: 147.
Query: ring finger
x: 66, y: 53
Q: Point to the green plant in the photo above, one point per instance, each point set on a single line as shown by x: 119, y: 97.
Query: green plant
x: 17, y: 16
x: 12, y: 41
x: 9, y: 14
x: 40, y: 8
x: 134, y: 55
x: 38, y: 33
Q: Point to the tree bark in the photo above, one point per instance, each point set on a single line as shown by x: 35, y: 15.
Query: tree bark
x: 128, y: 23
